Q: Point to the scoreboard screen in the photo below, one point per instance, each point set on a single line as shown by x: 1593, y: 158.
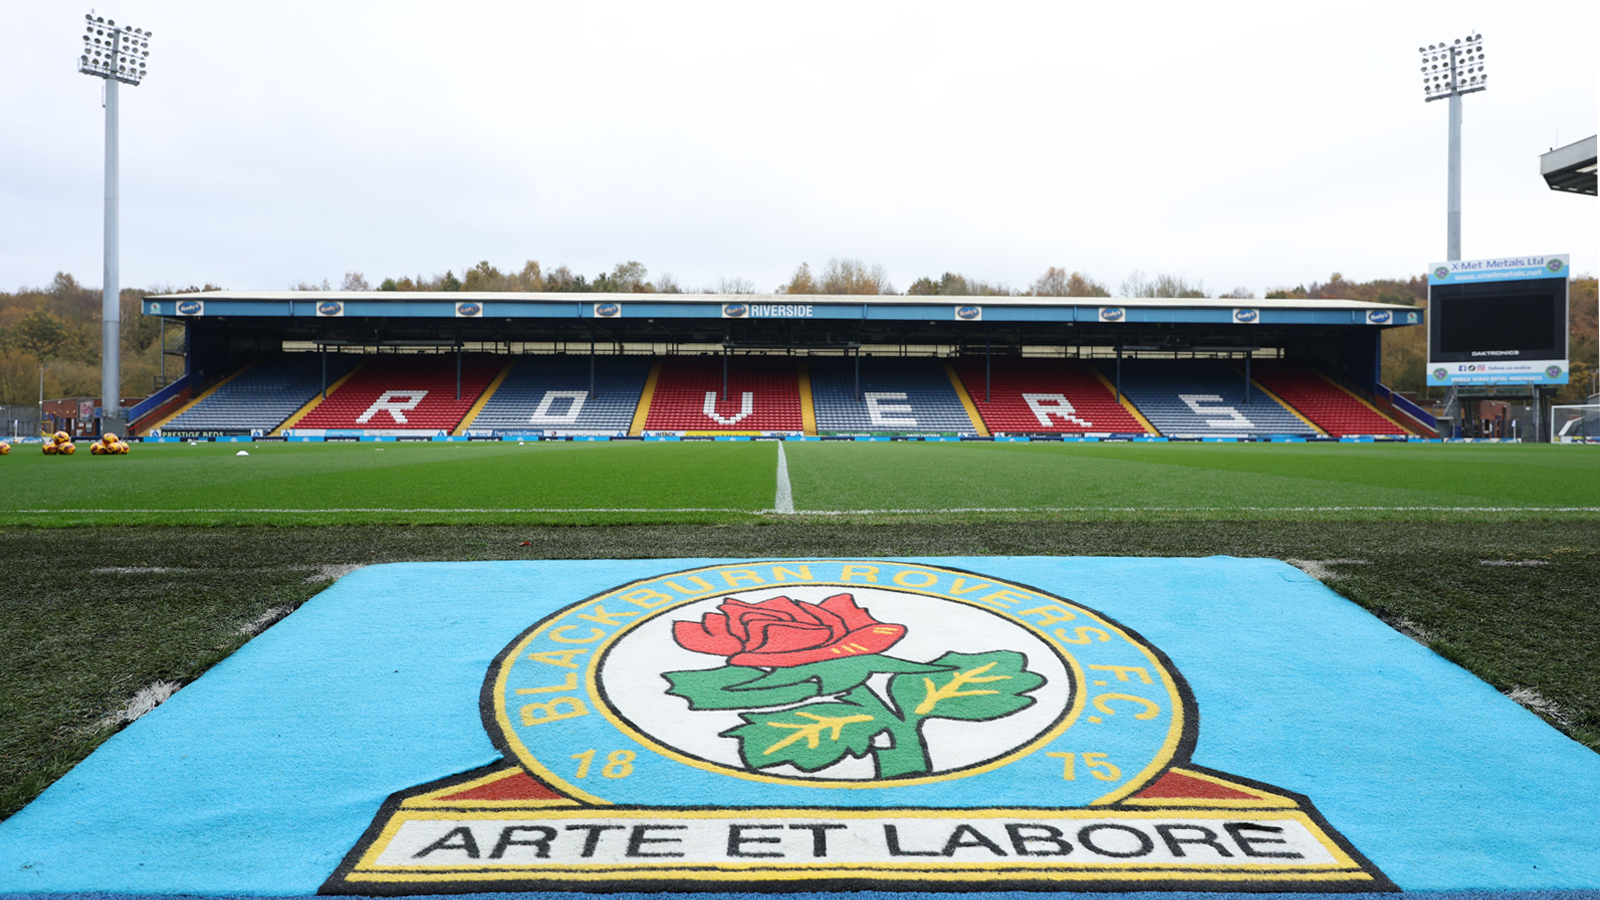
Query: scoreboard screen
x: 1493, y: 323
x: 1504, y: 320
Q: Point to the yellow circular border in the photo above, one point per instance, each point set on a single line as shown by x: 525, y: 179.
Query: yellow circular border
x: 1079, y: 699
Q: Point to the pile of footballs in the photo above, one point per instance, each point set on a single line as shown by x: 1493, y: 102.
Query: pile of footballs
x: 60, y: 444
x: 109, y: 445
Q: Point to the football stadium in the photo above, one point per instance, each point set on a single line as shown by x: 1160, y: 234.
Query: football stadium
x: 570, y: 588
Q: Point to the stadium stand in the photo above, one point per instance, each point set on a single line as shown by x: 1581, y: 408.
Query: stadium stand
x: 763, y: 395
x: 1315, y: 396
x: 262, y: 395
x: 409, y: 392
x: 1045, y: 396
x: 897, y: 395
x: 552, y: 394
x: 1204, y: 398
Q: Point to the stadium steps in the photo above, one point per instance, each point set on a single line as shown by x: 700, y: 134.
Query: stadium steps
x: 763, y: 395
x: 557, y: 385
x: 1205, y: 398
x: 423, y: 389
x: 484, y: 398
x: 898, y: 395
x: 196, y: 398
x: 1383, y: 401
x: 808, y: 400
x: 260, y: 395
x: 316, y: 401
x: 1332, y: 407
x: 168, y: 408
x: 646, y: 396
x: 1047, y: 396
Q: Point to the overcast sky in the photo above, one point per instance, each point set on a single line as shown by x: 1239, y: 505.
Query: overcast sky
x: 1240, y: 144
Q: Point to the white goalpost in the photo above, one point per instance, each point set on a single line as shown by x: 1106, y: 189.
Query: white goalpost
x: 1576, y: 423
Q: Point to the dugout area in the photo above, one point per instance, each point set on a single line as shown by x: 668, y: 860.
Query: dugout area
x: 342, y: 365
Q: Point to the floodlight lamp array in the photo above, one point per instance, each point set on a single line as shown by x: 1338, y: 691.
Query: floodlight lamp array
x: 113, y: 51
x: 1453, y: 68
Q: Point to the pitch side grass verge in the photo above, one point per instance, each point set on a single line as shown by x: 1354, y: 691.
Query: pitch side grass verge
x: 703, y: 482
x: 92, y: 615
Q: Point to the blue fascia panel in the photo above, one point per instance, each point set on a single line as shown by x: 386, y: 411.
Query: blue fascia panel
x: 1031, y: 314
x: 515, y: 310
x: 942, y: 312
x: 1161, y: 314
x: 1312, y: 317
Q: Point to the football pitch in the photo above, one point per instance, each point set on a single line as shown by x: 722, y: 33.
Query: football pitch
x: 665, y: 482
x: 117, y: 576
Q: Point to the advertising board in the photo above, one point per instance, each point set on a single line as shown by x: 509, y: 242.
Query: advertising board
x: 1498, y: 321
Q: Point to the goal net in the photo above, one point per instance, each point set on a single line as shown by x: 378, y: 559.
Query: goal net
x: 1575, y: 424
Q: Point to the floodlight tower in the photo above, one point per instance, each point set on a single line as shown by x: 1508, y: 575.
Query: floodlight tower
x: 1450, y: 70
x: 116, y: 54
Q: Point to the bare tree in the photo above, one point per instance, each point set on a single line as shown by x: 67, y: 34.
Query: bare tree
x: 667, y: 284
x: 307, y: 286
x: 852, y: 276
x: 1137, y: 285
x: 1240, y: 293
x: 954, y: 284
x: 354, y: 281
x: 726, y: 285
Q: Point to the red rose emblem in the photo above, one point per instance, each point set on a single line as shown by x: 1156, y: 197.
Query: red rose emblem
x: 782, y: 632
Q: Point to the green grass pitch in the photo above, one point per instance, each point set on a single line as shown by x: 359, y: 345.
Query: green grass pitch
x: 116, y: 578
x: 629, y: 482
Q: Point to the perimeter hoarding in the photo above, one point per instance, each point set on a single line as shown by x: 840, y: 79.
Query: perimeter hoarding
x: 1498, y: 321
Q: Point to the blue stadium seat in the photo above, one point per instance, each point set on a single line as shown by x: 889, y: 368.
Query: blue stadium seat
x: 551, y: 393
x: 263, y: 395
x: 898, y: 395
x: 1202, y: 398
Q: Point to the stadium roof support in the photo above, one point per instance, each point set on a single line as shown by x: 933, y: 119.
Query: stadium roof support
x: 1570, y: 168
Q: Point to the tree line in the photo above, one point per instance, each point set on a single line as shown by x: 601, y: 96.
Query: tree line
x: 56, y: 328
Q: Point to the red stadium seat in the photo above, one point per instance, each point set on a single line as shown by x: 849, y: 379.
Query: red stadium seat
x: 406, y: 391
x: 1320, y: 400
x: 763, y: 395
x: 1045, y: 396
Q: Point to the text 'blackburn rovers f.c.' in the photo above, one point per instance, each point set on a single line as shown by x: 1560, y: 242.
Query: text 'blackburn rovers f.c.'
x: 834, y: 724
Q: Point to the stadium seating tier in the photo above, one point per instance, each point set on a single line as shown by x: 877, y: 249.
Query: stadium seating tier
x: 1320, y: 400
x: 552, y: 394
x: 763, y: 394
x: 897, y: 395
x: 1203, y: 398
x: 1044, y: 396
x: 264, y: 394
x: 406, y: 392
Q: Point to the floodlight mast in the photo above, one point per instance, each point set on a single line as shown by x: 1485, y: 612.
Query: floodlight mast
x: 115, y: 54
x: 1450, y: 70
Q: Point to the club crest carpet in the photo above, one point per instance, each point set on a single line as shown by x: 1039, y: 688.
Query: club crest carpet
x: 979, y: 725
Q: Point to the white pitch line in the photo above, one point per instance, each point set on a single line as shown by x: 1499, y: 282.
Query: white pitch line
x: 818, y: 512
x: 783, y: 503
x: 389, y: 509
x: 1011, y: 509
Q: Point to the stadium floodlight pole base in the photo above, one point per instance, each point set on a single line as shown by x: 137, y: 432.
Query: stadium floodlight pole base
x: 111, y: 303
